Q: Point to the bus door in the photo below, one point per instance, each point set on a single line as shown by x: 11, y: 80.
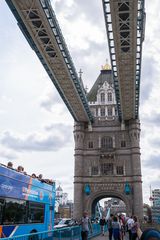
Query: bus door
x: 1, y: 209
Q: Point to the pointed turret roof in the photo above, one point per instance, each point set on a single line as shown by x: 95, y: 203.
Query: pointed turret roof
x: 105, y: 75
x: 59, y: 188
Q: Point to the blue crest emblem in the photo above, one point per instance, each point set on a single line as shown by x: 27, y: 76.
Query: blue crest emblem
x: 87, y: 189
x: 127, y: 189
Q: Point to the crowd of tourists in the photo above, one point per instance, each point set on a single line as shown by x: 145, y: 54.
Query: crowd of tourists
x: 20, y: 169
x: 119, y: 226
x: 116, y: 227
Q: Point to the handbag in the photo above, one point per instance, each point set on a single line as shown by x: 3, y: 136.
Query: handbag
x: 139, y: 232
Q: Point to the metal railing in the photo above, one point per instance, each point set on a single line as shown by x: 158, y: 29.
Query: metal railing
x: 68, y: 233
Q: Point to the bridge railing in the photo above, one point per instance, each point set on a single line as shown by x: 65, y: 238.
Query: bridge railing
x: 68, y: 233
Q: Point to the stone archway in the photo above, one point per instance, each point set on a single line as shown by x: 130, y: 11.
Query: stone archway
x: 95, y: 197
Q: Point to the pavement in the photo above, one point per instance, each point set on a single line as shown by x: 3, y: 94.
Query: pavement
x: 105, y: 237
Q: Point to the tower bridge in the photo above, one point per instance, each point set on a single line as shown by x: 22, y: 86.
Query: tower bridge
x: 107, y: 152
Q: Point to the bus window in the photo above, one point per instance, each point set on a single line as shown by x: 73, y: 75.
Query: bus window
x: 15, y: 212
x: 1, y: 209
x: 36, y: 212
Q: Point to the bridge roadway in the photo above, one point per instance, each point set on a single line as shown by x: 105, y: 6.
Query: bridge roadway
x: 105, y: 237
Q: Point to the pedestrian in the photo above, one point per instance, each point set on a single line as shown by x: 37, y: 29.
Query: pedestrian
x: 33, y: 175
x: 10, y: 165
x: 116, y: 228
x: 130, y: 222
x: 122, y: 230
x: 86, y: 226
x: 109, y: 225
x: 20, y: 169
x: 134, y: 228
x: 102, y: 224
x: 40, y: 177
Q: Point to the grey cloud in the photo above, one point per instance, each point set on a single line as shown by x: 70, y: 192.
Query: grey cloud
x: 155, y: 183
x: 8, y: 155
x: 155, y: 143
x: 84, y: 6
x: 49, y: 142
x: 93, y: 15
x: 153, y: 162
x: 89, y: 68
x: 149, y: 75
x: 50, y: 100
x: 61, y: 128
x: 68, y: 185
x: 154, y: 118
x: 93, y: 48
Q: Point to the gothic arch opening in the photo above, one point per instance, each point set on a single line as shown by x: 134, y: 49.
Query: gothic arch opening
x: 114, y: 202
x: 106, y: 206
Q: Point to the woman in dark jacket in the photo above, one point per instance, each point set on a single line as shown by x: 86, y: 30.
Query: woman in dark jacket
x: 102, y: 224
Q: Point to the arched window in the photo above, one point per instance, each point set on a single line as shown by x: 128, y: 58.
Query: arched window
x: 106, y: 168
x: 90, y: 144
x: 103, y: 112
x: 123, y: 143
x: 109, y: 97
x: 119, y: 170
x: 94, y: 170
x: 106, y: 142
x: 93, y: 112
x: 110, y: 111
x: 102, y: 97
x: 96, y: 111
x: 116, y: 111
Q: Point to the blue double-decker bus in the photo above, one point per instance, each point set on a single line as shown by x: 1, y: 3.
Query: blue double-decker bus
x: 26, y: 204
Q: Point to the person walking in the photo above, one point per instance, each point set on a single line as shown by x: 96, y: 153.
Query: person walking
x: 122, y: 230
x: 134, y: 228
x: 102, y: 224
x: 130, y: 222
x: 116, y: 228
x: 109, y: 225
x: 86, y: 226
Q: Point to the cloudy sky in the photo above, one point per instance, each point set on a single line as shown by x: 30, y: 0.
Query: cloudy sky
x: 33, y: 118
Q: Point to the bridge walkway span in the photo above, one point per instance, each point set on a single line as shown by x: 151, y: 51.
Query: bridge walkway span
x: 39, y: 24
x: 125, y: 25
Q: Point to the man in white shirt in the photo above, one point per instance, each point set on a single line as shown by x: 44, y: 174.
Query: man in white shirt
x: 86, y: 226
x: 130, y: 222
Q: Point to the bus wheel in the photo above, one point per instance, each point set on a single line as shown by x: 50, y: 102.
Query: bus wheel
x: 35, y: 236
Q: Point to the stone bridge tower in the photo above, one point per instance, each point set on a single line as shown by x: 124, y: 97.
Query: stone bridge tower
x: 107, y: 154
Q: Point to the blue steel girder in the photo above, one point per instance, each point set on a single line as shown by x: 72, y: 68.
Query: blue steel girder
x: 39, y: 25
x: 125, y: 23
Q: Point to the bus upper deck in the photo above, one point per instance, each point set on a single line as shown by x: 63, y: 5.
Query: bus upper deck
x: 26, y: 203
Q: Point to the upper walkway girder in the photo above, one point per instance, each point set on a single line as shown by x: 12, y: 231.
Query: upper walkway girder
x: 125, y: 30
x: 39, y: 25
